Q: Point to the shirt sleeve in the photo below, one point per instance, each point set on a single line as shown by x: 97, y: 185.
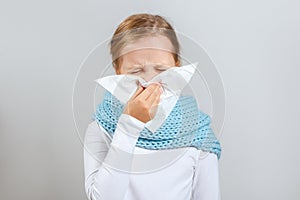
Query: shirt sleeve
x: 107, y: 161
x: 206, y: 178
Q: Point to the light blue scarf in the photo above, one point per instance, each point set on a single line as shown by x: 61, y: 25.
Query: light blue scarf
x: 185, y: 126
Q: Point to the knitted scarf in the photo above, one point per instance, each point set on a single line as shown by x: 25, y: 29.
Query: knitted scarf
x: 185, y: 126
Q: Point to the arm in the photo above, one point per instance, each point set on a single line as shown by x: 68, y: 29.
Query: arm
x: 206, y: 178
x: 105, y: 165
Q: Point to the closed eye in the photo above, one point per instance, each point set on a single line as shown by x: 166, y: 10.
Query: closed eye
x: 134, y: 72
x: 137, y: 71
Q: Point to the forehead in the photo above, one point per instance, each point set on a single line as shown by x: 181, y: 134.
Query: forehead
x: 151, y: 49
x: 147, y: 56
x: 153, y: 42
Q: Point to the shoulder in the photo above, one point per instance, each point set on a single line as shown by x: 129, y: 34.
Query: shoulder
x: 126, y: 124
x: 94, y: 127
x: 94, y: 131
x: 206, y: 157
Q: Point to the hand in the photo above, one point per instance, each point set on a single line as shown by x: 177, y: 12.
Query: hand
x: 144, y: 103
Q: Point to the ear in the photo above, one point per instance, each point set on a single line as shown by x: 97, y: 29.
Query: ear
x: 118, y: 71
x: 177, y: 63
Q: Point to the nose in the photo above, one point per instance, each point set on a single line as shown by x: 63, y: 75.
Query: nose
x: 147, y: 76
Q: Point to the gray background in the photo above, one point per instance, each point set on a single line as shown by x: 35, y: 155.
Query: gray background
x: 254, y: 44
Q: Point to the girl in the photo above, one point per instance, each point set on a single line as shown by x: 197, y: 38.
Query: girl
x: 112, y: 145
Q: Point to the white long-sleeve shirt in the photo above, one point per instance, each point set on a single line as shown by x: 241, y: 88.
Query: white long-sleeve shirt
x: 115, y: 169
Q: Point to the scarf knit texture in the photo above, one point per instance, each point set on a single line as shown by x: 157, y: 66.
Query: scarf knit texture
x: 186, y: 126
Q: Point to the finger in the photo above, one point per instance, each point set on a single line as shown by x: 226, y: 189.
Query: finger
x: 153, y: 97
x: 148, y: 91
x: 137, y: 92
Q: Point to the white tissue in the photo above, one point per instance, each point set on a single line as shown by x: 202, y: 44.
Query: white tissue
x: 173, y: 81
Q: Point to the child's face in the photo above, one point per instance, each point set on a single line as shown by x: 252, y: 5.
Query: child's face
x: 147, y: 63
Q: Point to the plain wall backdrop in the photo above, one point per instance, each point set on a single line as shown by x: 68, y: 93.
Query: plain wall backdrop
x: 255, y: 45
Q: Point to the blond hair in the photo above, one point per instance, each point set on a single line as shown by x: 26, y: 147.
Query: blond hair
x: 138, y: 26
